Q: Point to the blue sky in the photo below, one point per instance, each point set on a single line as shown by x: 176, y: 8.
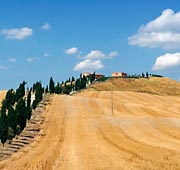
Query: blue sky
x: 62, y: 38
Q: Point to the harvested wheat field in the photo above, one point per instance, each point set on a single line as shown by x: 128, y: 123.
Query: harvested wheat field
x: 2, y: 95
x: 81, y: 132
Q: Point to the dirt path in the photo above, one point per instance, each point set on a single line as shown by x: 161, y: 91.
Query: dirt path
x: 80, y: 132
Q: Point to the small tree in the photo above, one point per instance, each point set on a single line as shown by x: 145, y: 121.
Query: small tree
x: 12, y: 118
x: 29, y: 110
x: 10, y: 97
x: 46, y: 89
x: 143, y: 75
x: 73, y: 79
x: 3, y: 123
x: 51, y: 86
x: 38, y: 94
x: 147, y: 75
x: 58, y: 88
x: 77, y: 84
x: 21, y: 112
x: 20, y: 92
x: 92, y: 77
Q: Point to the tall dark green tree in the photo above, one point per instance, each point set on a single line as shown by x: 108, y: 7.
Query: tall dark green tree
x: 38, y: 94
x: 12, y: 118
x: 77, y: 84
x: 34, y: 87
x: 51, y: 86
x: 92, y: 77
x: 20, y: 92
x: 83, y: 82
x: 46, y: 89
x: 147, y: 75
x: 3, y: 123
x: 21, y: 112
x: 10, y: 97
x: 58, y: 88
x: 29, y: 110
x: 73, y: 79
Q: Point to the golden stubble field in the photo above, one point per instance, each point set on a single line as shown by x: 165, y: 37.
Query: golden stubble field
x: 2, y: 95
x: 80, y: 132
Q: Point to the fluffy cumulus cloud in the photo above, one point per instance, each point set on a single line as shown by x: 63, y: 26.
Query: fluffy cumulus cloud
x: 167, y: 61
x: 2, y: 67
x: 88, y: 65
x: 93, y: 60
x: 13, y: 60
x: 45, y: 26
x: 112, y: 54
x: 163, y: 32
x: 46, y: 54
x: 31, y: 59
x: 95, y: 54
x: 17, y: 33
x: 72, y: 50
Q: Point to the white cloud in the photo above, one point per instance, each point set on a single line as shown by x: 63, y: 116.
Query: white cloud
x: 167, y: 61
x: 13, y: 60
x: 162, y: 32
x: 31, y: 59
x: 72, y: 50
x: 88, y: 65
x: 45, y: 26
x: 95, y: 54
x: 93, y: 60
x: 17, y: 33
x: 46, y: 54
x: 112, y: 54
x: 2, y: 67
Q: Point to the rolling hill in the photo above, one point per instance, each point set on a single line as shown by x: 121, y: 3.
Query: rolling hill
x: 153, y: 85
x: 80, y: 132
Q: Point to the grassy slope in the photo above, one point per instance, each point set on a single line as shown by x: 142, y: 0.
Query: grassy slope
x: 154, y: 85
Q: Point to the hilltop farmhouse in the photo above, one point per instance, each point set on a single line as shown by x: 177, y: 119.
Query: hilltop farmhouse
x: 87, y: 74
x: 119, y: 74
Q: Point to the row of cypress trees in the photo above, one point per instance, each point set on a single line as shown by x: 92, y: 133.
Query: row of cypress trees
x: 14, y: 112
x: 16, y: 109
x: 69, y: 85
x: 63, y: 88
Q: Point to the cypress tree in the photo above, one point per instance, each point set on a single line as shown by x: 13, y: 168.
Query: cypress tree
x: 58, y: 88
x: 73, y: 79
x: 29, y: 105
x: 46, y: 90
x: 147, y: 75
x: 3, y: 123
x: 20, y: 92
x: 21, y: 112
x: 51, y: 86
x: 93, y: 77
x: 77, y: 84
x: 34, y: 87
x: 38, y: 94
x: 12, y: 118
x: 10, y: 97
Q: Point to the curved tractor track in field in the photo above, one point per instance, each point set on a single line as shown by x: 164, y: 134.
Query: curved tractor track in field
x: 80, y: 132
